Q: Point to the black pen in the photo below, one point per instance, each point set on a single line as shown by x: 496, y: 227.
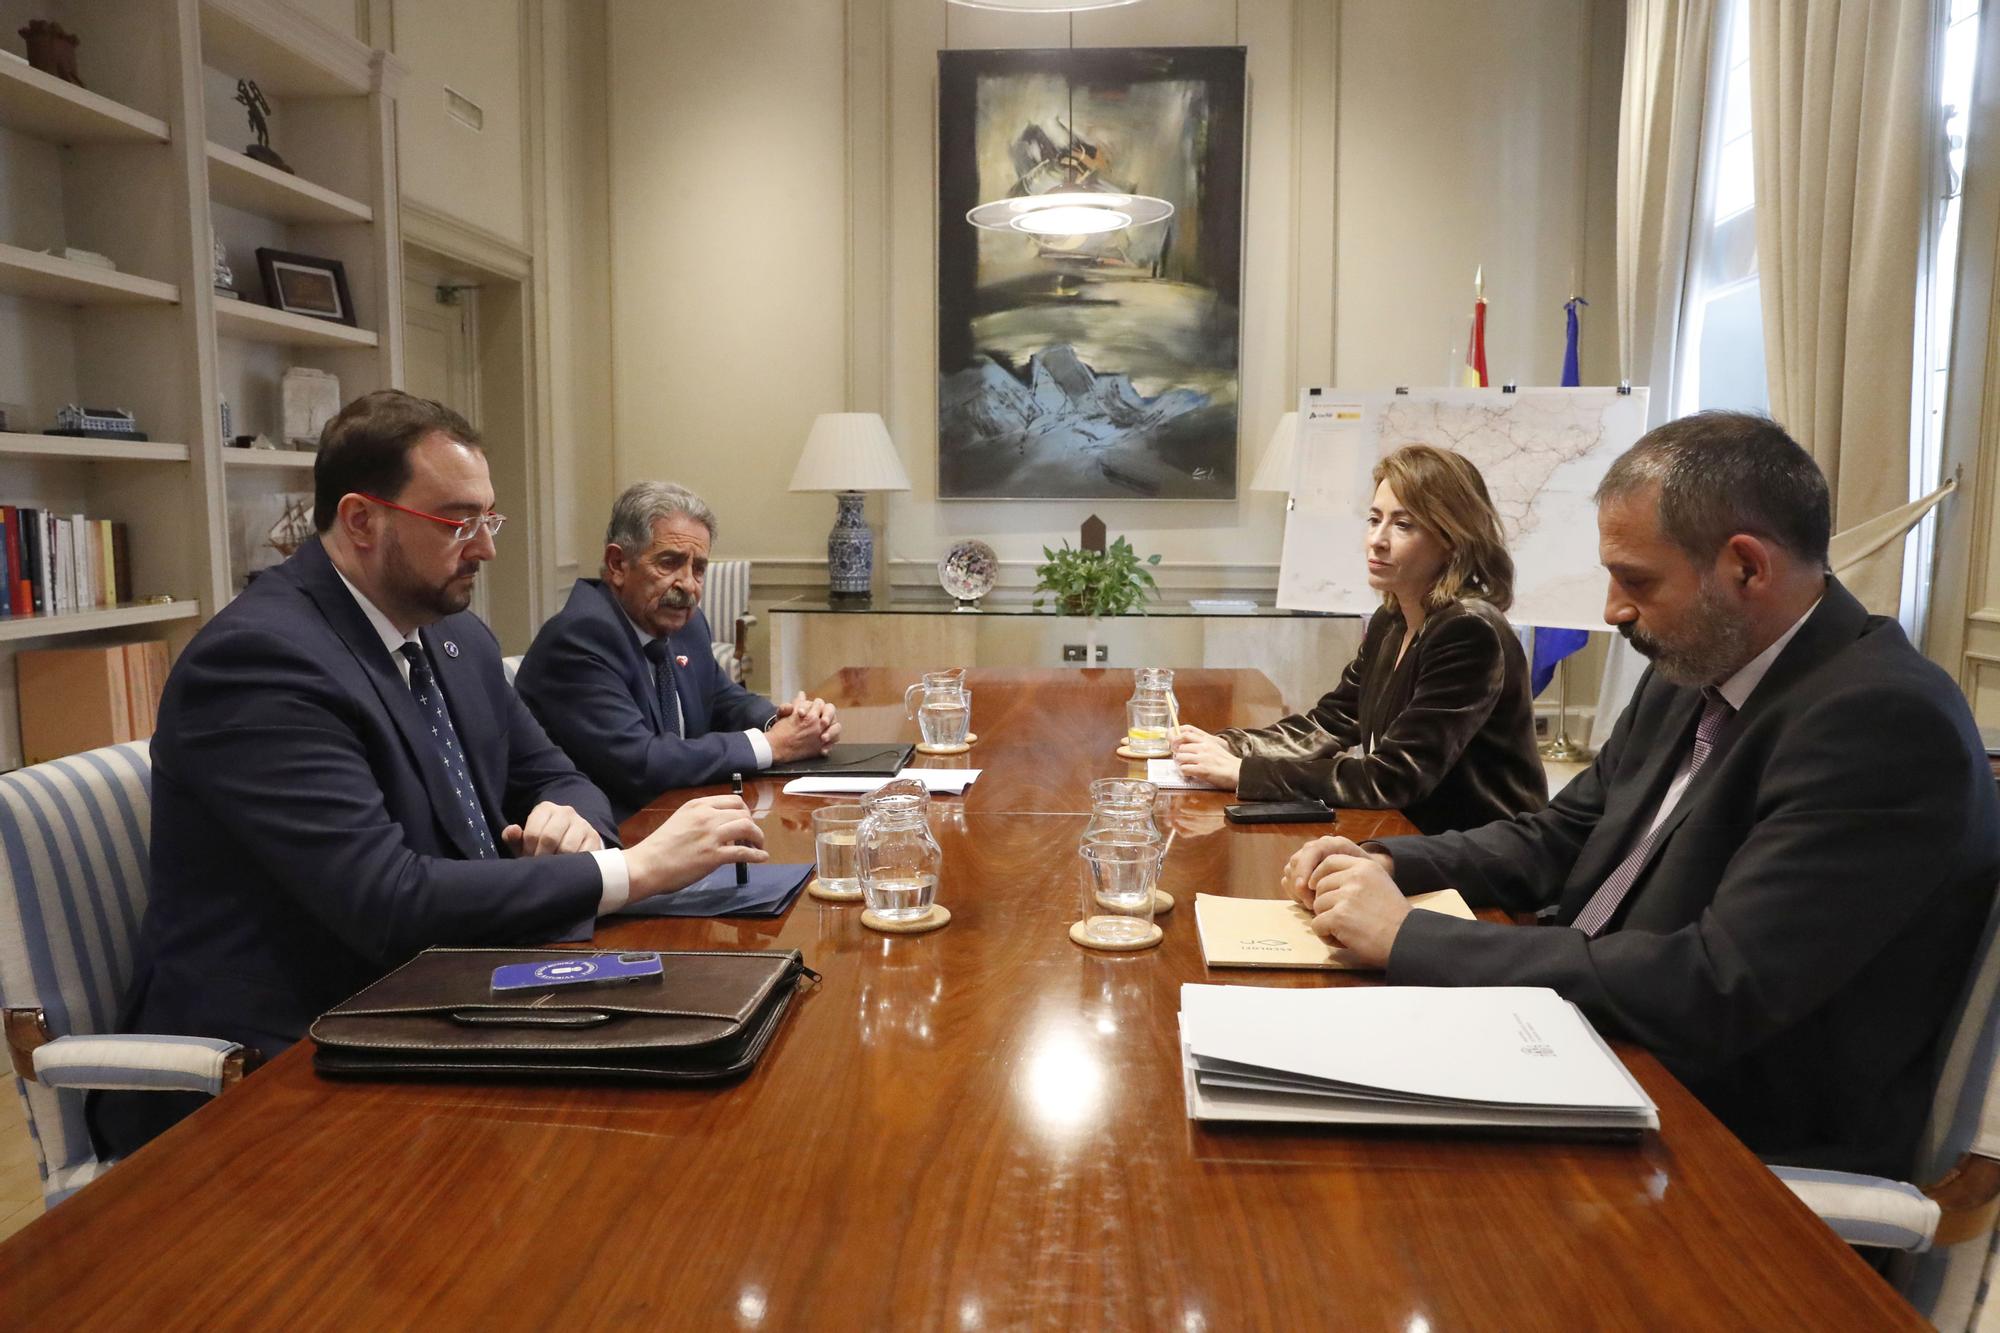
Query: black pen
x: 736, y: 785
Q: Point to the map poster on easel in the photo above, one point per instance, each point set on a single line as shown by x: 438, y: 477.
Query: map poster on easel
x: 1542, y: 452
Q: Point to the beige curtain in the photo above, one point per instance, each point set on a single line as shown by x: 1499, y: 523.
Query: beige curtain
x: 1850, y: 549
x: 1668, y: 44
x: 1840, y: 110
x: 1668, y: 48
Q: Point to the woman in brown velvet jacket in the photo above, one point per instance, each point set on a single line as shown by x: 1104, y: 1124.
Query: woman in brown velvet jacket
x: 1434, y: 717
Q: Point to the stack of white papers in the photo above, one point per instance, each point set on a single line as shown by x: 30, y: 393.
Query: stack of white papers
x: 1167, y: 776
x: 1474, y: 1057
x: 939, y: 782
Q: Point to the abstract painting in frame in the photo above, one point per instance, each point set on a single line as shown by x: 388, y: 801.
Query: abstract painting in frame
x: 1090, y: 367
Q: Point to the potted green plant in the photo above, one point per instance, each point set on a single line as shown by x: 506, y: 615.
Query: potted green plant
x: 1111, y: 582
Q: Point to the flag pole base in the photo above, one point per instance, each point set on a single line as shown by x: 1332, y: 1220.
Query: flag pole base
x: 1563, y: 750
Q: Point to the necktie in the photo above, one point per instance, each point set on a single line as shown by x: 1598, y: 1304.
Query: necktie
x: 430, y: 702
x: 1603, y: 904
x: 660, y: 653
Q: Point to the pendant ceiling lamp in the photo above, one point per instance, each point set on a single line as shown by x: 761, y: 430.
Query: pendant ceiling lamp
x: 1043, y: 6
x: 1078, y: 212
x: 1078, y: 201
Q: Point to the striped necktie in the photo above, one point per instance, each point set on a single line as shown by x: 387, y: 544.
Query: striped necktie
x: 660, y: 653
x: 1603, y: 904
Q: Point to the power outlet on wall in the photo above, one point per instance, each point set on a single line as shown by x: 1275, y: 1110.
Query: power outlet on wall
x: 1073, y: 652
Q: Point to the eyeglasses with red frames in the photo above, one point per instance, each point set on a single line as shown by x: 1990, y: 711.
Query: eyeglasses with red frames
x: 463, y: 529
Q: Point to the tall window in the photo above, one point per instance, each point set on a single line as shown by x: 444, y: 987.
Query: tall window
x: 1722, y: 325
x: 1935, y: 300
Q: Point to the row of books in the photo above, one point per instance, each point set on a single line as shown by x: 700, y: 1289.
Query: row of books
x: 76, y: 699
x: 51, y: 563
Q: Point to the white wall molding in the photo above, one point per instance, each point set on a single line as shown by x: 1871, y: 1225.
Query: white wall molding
x: 458, y: 239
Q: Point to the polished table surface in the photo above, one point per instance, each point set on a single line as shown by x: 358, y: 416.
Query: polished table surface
x: 980, y: 1128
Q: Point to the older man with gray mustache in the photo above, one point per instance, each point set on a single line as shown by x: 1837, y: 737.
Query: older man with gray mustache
x: 622, y: 677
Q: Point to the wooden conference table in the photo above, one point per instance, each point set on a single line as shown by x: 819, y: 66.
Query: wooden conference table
x: 981, y: 1128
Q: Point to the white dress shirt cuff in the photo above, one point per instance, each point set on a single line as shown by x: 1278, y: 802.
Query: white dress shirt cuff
x: 760, y: 745
x: 617, y: 880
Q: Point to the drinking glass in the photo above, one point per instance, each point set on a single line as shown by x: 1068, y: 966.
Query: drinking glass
x: 1146, y: 725
x: 837, y: 848
x: 1120, y: 868
x: 1157, y: 683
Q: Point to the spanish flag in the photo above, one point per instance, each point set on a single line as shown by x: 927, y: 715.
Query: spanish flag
x: 1474, y: 374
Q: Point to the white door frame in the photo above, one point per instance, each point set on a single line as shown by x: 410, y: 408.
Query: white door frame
x: 496, y: 263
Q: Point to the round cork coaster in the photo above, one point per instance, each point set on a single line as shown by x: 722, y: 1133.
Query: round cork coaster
x: 936, y: 919
x: 1162, y: 901
x: 820, y: 891
x: 1127, y: 752
x: 1077, y: 935
x: 943, y: 749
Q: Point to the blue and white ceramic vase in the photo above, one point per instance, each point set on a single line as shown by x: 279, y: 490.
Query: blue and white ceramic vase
x: 850, y: 550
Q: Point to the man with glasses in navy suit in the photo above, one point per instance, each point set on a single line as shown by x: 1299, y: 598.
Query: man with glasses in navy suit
x: 342, y: 776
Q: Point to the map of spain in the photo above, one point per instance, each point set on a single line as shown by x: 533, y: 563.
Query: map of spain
x: 1542, y: 452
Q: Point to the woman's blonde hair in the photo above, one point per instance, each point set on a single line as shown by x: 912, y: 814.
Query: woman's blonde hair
x: 1446, y: 496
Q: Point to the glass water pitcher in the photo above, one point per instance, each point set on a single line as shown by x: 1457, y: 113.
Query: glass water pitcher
x: 900, y: 857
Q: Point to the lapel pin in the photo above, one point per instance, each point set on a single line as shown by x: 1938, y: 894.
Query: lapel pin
x: 450, y: 648
x: 680, y: 659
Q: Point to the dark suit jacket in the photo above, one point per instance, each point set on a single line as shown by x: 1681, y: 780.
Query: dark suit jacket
x: 1804, y: 921
x: 587, y: 681
x: 304, y: 838
x: 1450, y: 730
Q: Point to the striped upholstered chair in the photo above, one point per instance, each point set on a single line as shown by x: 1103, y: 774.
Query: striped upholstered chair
x: 1946, y: 1228
x: 725, y: 599
x: 73, y: 871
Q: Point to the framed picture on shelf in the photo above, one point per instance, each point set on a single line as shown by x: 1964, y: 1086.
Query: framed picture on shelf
x: 306, y: 285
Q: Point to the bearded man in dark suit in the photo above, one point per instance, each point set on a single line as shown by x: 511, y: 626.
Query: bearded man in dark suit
x: 1776, y: 872
x: 342, y: 776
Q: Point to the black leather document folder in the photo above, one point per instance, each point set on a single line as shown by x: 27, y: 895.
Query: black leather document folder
x: 708, y: 1015
x: 854, y: 759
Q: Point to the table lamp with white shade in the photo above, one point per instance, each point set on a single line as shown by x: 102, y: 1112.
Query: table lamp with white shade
x: 849, y: 453
x: 1274, y: 470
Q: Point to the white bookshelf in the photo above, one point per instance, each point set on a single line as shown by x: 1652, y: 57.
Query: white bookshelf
x: 66, y: 282
x: 16, y: 628
x: 245, y: 183
x: 260, y: 323
x: 71, y: 448
x: 143, y: 166
x: 44, y: 107
x: 279, y: 460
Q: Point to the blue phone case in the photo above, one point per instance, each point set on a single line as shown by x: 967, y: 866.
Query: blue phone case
x: 581, y: 970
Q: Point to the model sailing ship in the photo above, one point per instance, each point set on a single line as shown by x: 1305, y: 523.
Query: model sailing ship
x: 294, y: 525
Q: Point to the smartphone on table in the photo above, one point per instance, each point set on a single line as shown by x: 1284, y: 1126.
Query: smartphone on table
x: 1279, y: 812
x: 585, y: 969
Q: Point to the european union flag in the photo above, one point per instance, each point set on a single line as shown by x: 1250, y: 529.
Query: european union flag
x: 1553, y: 645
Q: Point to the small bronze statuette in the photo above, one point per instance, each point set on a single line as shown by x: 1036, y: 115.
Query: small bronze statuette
x: 252, y: 99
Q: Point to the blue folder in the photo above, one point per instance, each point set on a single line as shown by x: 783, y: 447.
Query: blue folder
x: 770, y: 891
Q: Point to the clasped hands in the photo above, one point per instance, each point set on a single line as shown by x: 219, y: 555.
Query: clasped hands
x: 805, y: 729
x: 1354, y: 902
